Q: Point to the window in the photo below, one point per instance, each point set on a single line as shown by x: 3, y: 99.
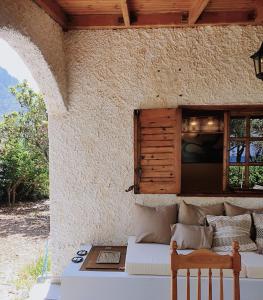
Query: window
x: 199, y: 150
x: 245, y: 152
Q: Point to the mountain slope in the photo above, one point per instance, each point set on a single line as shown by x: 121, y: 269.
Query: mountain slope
x: 8, y: 102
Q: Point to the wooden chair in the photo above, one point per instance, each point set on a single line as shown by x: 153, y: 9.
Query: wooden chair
x: 206, y: 259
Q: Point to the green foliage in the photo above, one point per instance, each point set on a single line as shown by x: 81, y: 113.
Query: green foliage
x: 24, y: 148
x: 27, y: 277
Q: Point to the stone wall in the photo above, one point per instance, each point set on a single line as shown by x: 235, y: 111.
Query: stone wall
x: 111, y: 73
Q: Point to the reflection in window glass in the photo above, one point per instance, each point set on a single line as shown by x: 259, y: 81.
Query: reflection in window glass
x: 256, y: 151
x: 237, y: 152
x: 256, y: 127
x: 256, y: 177
x: 236, y: 176
x: 237, y: 127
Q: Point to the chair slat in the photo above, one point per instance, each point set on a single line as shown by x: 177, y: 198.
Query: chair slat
x: 205, y: 259
x: 221, y: 285
x: 210, y: 292
x: 199, y: 285
x: 188, y: 285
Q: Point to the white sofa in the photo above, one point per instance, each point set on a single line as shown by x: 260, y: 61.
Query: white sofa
x: 147, y: 277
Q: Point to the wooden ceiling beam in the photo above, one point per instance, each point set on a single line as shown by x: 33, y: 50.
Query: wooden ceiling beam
x: 160, y: 20
x: 125, y: 13
x: 52, y: 8
x: 259, y: 11
x: 196, y: 10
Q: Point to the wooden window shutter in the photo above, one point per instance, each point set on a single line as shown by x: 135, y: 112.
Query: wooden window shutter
x: 157, y: 151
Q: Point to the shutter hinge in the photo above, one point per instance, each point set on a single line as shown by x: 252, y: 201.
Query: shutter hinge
x: 137, y: 112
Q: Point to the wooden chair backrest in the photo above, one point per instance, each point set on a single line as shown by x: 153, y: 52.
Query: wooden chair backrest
x: 206, y: 259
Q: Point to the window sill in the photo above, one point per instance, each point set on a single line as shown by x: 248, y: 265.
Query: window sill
x: 227, y: 194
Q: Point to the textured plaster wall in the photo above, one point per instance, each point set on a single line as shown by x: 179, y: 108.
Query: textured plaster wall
x: 40, y: 43
x: 110, y: 73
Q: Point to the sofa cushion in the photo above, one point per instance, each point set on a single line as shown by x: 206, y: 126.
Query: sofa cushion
x: 234, y: 210
x: 258, y: 221
x: 253, y: 263
x: 152, y: 224
x: 229, y: 229
x: 192, y: 236
x: 154, y: 259
x: 190, y: 214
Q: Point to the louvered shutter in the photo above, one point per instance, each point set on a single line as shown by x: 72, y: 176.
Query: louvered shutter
x: 157, y: 151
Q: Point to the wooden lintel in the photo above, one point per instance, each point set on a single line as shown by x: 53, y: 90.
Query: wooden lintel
x: 125, y: 13
x: 226, y: 18
x: 160, y: 20
x: 259, y: 11
x: 196, y: 10
x: 54, y: 11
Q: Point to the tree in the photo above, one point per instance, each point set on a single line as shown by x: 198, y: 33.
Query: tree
x: 24, y: 148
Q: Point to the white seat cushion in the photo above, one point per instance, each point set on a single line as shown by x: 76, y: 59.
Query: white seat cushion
x: 253, y: 263
x: 154, y: 259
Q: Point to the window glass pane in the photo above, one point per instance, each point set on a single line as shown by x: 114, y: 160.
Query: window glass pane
x: 237, y: 152
x: 237, y: 127
x: 256, y: 177
x: 256, y: 151
x: 236, y: 177
x: 256, y: 127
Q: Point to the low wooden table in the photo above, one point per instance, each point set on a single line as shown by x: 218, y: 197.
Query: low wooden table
x: 90, y: 263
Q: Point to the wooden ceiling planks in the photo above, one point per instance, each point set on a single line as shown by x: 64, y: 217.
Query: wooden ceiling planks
x: 93, y: 14
x: 196, y: 10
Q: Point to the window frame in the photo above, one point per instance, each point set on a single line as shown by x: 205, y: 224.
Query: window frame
x: 228, y: 111
x: 247, y: 139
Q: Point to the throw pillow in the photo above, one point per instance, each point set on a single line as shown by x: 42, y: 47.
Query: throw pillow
x: 234, y: 210
x: 192, y: 236
x: 152, y: 224
x: 190, y: 214
x: 228, y: 229
x: 258, y: 221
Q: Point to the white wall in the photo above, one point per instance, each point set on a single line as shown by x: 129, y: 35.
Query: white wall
x: 110, y: 73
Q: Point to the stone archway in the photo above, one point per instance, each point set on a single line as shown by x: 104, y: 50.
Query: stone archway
x: 39, y: 68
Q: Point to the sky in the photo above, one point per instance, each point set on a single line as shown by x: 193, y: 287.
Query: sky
x: 14, y: 65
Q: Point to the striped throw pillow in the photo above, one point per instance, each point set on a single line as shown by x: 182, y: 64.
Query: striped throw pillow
x: 229, y: 229
x: 258, y: 221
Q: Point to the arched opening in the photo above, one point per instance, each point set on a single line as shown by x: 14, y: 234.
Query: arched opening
x: 24, y: 161
x: 39, y: 68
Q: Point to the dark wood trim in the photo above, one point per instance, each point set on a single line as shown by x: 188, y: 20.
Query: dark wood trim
x: 225, y: 151
x: 196, y: 10
x: 247, y: 153
x: 250, y: 164
x: 240, y: 108
x: 137, y: 150
x: 54, y: 11
x: 259, y: 7
x: 115, y: 21
x: 230, y: 194
x: 177, y: 145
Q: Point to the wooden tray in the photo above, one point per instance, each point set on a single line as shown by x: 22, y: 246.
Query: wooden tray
x: 90, y: 263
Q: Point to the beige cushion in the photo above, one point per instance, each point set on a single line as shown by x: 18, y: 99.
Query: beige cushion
x: 234, y: 210
x: 190, y: 214
x: 154, y: 259
x: 229, y: 229
x: 253, y: 263
x: 192, y: 236
x: 258, y: 221
x: 152, y: 224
